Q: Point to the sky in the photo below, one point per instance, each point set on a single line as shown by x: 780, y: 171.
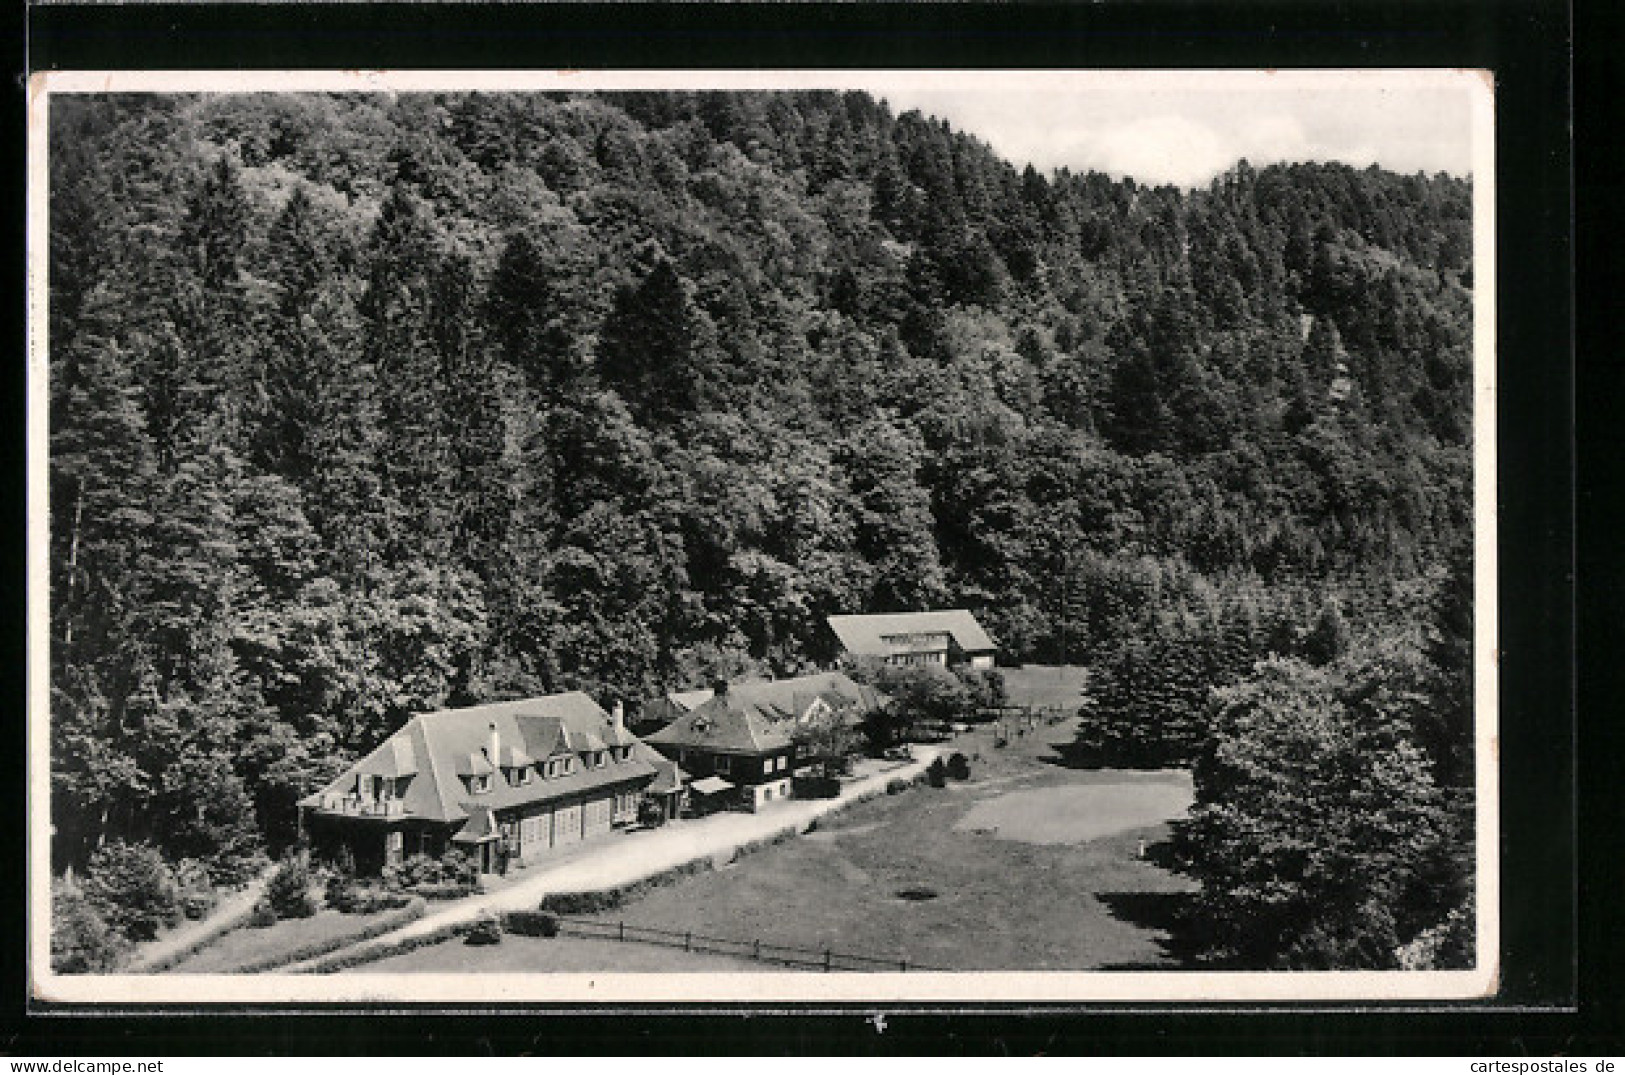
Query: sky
x: 1185, y: 128
x: 1178, y: 127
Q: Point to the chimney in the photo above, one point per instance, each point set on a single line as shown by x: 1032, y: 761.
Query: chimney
x: 719, y: 687
x: 494, y: 745
x: 617, y: 716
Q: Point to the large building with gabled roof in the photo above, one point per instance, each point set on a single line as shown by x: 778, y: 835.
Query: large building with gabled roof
x: 945, y: 637
x: 508, y: 782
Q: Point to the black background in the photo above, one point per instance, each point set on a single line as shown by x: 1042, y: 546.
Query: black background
x: 1560, y: 987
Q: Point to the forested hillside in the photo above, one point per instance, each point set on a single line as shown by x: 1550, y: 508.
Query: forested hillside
x: 365, y: 405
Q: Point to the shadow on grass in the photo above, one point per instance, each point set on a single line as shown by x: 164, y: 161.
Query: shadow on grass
x: 1072, y: 754
x: 1165, y: 912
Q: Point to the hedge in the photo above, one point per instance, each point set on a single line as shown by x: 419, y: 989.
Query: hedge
x: 348, y: 958
x: 754, y: 846
x: 607, y: 899
x: 386, y: 924
x: 530, y: 924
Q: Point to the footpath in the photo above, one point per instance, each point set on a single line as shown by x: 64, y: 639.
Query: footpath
x: 637, y: 855
x: 227, y: 915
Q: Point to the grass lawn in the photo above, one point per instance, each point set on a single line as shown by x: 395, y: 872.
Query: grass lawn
x: 248, y: 944
x: 558, y: 955
x: 1045, y: 686
x: 998, y: 903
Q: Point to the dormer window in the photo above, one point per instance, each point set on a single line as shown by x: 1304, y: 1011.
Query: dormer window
x: 480, y: 783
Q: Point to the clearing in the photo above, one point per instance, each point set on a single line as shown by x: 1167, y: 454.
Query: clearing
x: 1078, y: 813
x: 902, y: 877
x: 1045, y: 686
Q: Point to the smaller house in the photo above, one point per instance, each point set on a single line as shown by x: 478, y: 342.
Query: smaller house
x: 787, y: 703
x: 948, y: 637
x: 734, y: 754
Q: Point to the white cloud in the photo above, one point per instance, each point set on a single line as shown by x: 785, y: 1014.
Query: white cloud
x: 1158, y: 149
x: 1186, y: 127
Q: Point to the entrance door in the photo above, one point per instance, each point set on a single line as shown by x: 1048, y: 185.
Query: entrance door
x: 394, y: 848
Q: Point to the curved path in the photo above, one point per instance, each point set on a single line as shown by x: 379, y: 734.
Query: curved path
x: 637, y: 855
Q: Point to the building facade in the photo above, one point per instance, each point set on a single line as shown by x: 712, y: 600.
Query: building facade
x: 947, y: 638
x: 510, y: 783
x: 733, y: 754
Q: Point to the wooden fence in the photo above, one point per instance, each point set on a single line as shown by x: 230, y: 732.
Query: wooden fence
x: 824, y: 959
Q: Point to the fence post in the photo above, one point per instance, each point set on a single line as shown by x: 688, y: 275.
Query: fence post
x: 826, y: 960
x: 902, y: 965
x: 756, y: 949
x: 622, y: 924
x: 688, y: 941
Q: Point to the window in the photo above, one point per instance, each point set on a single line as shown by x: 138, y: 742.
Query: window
x: 768, y: 795
x: 479, y: 784
x: 723, y: 763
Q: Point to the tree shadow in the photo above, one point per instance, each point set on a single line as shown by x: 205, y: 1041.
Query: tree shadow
x: 1075, y: 755
x: 1167, y: 913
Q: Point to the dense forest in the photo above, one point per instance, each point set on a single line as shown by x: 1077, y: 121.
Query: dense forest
x: 363, y: 405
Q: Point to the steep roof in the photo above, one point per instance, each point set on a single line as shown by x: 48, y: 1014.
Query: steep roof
x: 725, y: 723
x: 867, y: 635
x: 782, y: 700
x: 445, y: 745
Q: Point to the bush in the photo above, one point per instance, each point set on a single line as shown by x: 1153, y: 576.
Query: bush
x: 958, y: 767
x: 262, y: 916
x: 936, y: 773
x: 443, y: 890
x: 531, y: 924
x: 288, y: 891
x: 651, y: 815
x: 459, y: 866
x: 815, y: 787
x: 341, y: 892
x: 194, y: 889
x: 81, y: 940
x: 132, y: 889
x: 606, y: 899
x: 487, y: 930
x: 897, y: 785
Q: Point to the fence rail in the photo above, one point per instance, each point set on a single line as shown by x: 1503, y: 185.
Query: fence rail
x: 825, y: 959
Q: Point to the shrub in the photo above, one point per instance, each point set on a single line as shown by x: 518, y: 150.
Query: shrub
x: 341, y: 892
x: 531, y: 924
x: 288, y: 891
x: 815, y: 787
x: 81, y: 940
x: 413, y: 871
x: 194, y: 888
x: 459, y: 866
x: 132, y: 889
x: 443, y: 890
x: 936, y: 773
x: 574, y: 903
x: 651, y: 814
x: 487, y: 930
x: 959, y: 767
x: 262, y: 915
x: 896, y: 786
